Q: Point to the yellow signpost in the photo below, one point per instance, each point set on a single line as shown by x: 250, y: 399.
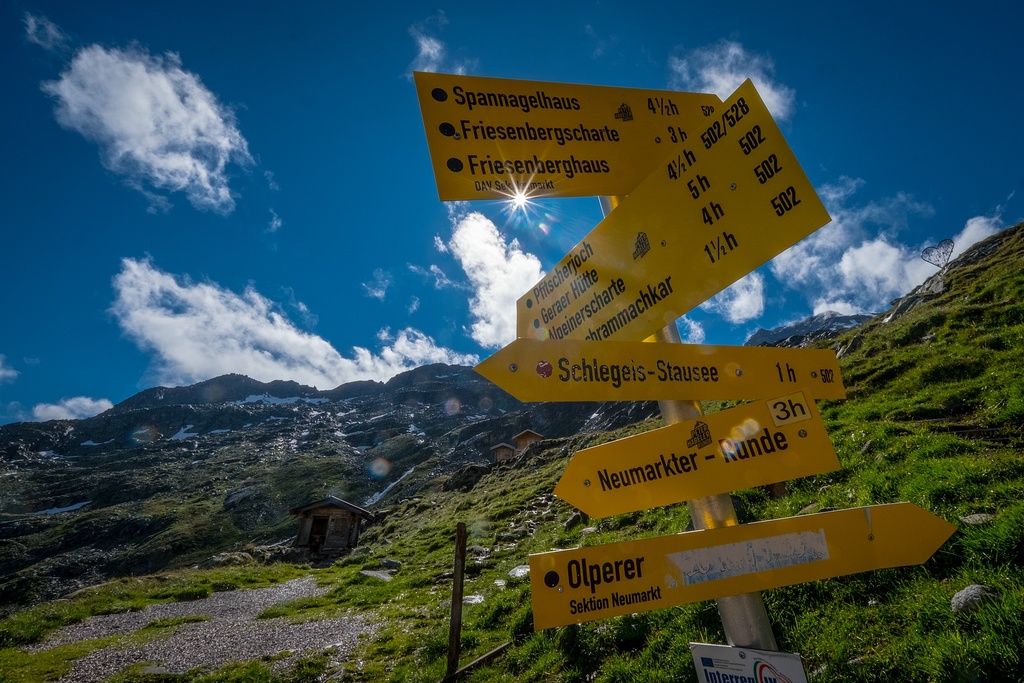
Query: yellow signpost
x: 597, y: 582
x: 580, y: 370
x: 754, y: 444
x: 714, y: 192
x: 728, y: 200
x: 493, y: 138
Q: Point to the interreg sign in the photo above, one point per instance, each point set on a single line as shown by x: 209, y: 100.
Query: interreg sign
x: 727, y: 664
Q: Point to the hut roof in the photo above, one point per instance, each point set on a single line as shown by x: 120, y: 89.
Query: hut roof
x: 331, y: 501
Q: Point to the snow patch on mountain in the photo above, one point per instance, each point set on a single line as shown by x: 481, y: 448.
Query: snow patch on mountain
x: 380, y: 494
x: 822, y: 324
x: 274, y: 400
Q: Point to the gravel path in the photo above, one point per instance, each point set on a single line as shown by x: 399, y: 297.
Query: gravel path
x: 232, y: 634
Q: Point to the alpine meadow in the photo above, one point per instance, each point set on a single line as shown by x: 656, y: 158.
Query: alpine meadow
x: 183, y: 495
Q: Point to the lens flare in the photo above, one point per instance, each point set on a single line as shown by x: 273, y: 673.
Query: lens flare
x: 379, y: 468
x: 732, y: 445
x: 144, y: 434
x: 452, y: 406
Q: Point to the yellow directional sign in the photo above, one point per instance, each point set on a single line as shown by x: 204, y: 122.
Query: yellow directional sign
x: 573, y: 586
x: 754, y: 444
x: 729, y: 199
x: 492, y: 138
x: 580, y: 370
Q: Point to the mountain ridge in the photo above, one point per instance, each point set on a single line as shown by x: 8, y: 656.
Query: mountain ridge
x: 171, y: 475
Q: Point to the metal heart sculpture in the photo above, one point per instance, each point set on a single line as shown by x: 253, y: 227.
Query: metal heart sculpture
x: 938, y: 255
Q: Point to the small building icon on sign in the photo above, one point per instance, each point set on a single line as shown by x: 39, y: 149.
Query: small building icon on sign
x: 624, y: 112
x: 700, y: 436
x: 643, y: 245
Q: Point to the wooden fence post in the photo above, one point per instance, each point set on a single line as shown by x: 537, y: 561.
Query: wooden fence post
x: 455, y: 628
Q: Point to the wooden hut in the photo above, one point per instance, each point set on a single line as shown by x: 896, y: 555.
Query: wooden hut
x: 506, y: 451
x: 329, y: 524
x: 503, y: 451
x: 525, y: 438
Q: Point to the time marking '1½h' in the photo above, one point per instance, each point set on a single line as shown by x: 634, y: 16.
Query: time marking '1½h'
x: 716, y: 248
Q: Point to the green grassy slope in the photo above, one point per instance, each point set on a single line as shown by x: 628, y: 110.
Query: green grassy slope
x: 933, y: 417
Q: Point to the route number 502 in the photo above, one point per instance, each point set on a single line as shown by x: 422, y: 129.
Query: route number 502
x: 785, y: 201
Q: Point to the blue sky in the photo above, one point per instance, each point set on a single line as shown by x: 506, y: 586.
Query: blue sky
x: 193, y: 189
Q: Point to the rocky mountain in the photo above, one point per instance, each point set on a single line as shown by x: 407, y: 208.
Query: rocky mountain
x: 808, y: 331
x: 172, y: 474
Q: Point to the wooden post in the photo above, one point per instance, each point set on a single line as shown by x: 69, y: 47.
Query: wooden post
x: 455, y: 628
x: 744, y: 618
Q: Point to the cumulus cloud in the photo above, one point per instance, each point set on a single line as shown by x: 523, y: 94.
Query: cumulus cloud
x: 740, y: 302
x: 690, y: 331
x: 377, y: 288
x: 76, y: 408
x: 7, y: 373
x: 156, y: 124
x: 975, y: 230
x: 722, y: 67
x: 498, y: 271
x: 201, y: 330
x: 858, y: 263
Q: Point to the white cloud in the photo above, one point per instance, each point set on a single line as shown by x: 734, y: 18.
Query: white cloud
x: 271, y: 183
x: 431, y: 51
x: 441, y: 279
x: 690, y: 331
x: 75, y: 408
x: 156, y: 124
x: 414, y: 305
x: 722, y: 67
x: 499, y: 273
x: 601, y: 43
x: 975, y: 230
x: 741, y: 301
x: 201, y: 330
x: 43, y: 32
x: 857, y: 263
x: 378, y: 287
x: 275, y: 222
x: 880, y: 270
x: 7, y: 373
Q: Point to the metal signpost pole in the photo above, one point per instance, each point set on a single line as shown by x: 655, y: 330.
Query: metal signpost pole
x: 744, y: 618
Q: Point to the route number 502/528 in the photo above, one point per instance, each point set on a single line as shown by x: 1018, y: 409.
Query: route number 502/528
x: 785, y: 201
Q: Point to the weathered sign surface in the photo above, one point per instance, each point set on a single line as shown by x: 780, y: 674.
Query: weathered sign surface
x: 581, y: 370
x: 596, y: 582
x: 493, y: 138
x: 727, y: 201
x: 754, y: 444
